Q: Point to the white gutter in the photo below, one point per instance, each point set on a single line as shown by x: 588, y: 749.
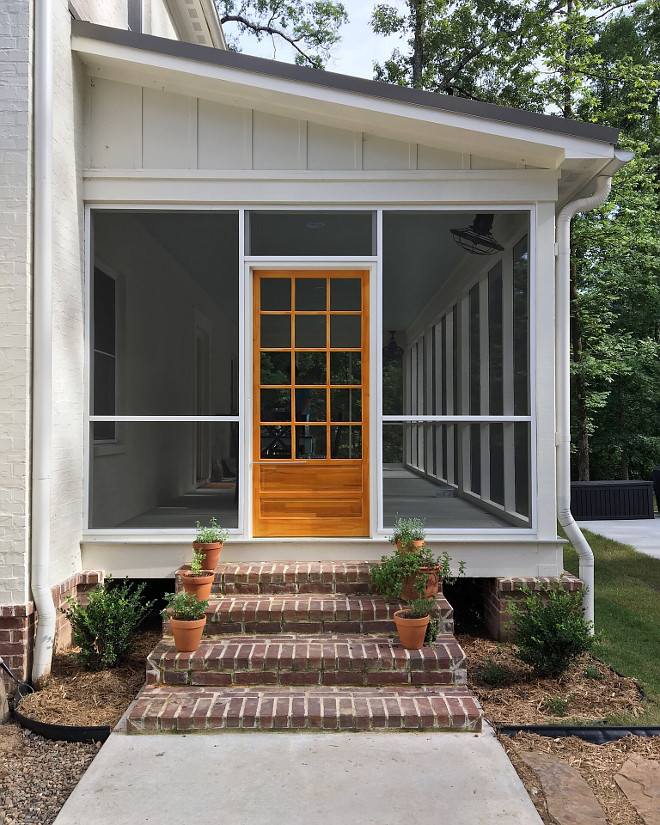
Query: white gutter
x: 42, y: 371
x: 562, y: 373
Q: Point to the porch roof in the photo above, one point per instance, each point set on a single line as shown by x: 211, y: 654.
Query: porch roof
x: 345, y: 83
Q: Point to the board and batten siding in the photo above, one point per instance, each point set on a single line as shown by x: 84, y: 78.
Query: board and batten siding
x: 163, y: 130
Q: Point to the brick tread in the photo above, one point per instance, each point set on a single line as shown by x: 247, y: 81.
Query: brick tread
x: 293, y: 577
x: 307, y: 613
x: 282, y: 708
x: 309, y: 660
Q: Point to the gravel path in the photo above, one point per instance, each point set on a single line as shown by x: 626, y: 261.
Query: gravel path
x: 37, y: 776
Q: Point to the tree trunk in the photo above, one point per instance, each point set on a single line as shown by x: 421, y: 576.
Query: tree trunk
x: 579, y: 385
x: 418, y: 42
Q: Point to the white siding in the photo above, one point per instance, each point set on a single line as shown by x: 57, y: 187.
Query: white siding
x: 161, y: 130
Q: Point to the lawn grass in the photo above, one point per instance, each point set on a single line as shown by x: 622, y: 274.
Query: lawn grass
x: 627, y: 616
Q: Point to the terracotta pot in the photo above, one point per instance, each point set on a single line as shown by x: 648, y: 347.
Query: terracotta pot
x: 199, y: 586
x: 412, y: 547
x: 411, y: 631
x: 432, y: 574
x: 187, y: 634
x: 210, y: 552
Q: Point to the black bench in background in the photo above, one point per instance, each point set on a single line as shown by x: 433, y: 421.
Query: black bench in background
x: 595, y: 500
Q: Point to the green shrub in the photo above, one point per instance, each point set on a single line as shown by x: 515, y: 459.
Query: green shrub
x: 592, y: 672
x: 105, y: 628
x: 549, y: 629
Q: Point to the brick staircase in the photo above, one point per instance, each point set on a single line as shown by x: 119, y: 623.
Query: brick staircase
x: 304, y: 646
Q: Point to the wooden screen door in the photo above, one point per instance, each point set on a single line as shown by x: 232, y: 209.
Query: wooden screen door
x: 310, y: 403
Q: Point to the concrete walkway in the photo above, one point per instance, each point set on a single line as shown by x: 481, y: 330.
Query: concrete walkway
x: 643, y: 534
x: 278, y: 778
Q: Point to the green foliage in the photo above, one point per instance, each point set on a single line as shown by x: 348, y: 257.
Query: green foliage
x: 557, y: 705
x: 592, y: 672
x: 389, y: 576
x: 196, y: 563
x: 105, y: 628
x: 549, y: 629
x: 495, y: 674
x: 418, y: 608
x: 184, y: 607
x: 408, y: 530
x: 310, y: 28
x: 211, y: 534
x: 432, y: 630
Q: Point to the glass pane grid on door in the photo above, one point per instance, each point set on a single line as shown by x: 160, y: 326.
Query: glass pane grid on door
x: 309, y: 344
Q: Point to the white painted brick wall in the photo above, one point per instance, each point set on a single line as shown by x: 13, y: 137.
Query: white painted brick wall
x: 15, y: 296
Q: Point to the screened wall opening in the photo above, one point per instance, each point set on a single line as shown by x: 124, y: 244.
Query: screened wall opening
x: 164, y: 344
x: 456, y: 433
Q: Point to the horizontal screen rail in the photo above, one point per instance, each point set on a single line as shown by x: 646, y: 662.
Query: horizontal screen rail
x: 455, y: 419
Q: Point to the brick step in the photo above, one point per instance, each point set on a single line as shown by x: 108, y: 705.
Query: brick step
x: 205, y: 709
x: 308, y: 660
x: 308, y: 613
x: 293, y: 577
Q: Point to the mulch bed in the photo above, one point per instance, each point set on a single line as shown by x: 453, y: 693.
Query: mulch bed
x: 75, y: 696
x: 522, y: 700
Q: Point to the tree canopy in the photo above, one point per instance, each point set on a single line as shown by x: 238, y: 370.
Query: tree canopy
x: 600, y: 62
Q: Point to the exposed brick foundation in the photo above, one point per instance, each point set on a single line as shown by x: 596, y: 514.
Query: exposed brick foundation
x: 497, y: 591
x: 18, y: 624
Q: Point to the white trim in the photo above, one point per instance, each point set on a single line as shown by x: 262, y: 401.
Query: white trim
x: 165, y: 418
x: 88, y: 254
x: 377, y: 402
x: 244, y: 384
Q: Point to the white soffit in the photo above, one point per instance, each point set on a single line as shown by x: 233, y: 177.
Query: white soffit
x: 393, y: 119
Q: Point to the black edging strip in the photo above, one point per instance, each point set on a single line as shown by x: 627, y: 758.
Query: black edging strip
x: 62, y: 733
x: 596, y: 735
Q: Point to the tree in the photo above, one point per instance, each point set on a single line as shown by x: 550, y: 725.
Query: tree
x: 590, y: 59
x: 310, y: 28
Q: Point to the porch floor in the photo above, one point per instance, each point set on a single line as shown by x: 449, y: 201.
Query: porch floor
x: 404, y: 494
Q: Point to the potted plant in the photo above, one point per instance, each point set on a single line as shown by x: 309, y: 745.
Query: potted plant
x: 410, y: 575
x: 208, y: 541
x: 187, y: 619
x: 409, y: 534
x: 196, y: 580
x: 412, y: 623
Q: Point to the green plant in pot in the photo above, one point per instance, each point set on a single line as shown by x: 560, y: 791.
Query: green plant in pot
x: 412, y: 623
x: 187, y: 619
x: 208, y: 541
x: 196, y: 579
x: 409, y: 575
x: 409, y: 533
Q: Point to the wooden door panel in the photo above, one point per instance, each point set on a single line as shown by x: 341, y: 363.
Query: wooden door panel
x: 311, y: 403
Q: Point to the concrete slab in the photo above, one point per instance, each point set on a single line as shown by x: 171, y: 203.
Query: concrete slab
x: 643, y: 534
x: 327, y: 779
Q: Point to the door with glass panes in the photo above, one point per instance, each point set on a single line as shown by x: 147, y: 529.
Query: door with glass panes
x: 310, y: 403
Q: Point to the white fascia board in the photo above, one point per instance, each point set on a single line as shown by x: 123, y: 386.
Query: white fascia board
x: 288, y: 98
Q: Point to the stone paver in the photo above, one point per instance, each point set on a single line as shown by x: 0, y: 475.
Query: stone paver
x: 639, y: 779
x: 570, y: 800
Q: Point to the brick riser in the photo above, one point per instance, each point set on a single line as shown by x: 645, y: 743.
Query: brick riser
x: 291, y: 660
x: 311, y: 614
x: 347, y: 709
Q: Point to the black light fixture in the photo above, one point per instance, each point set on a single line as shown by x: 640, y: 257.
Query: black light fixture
x: 477, y: 239
x: 392, y: 351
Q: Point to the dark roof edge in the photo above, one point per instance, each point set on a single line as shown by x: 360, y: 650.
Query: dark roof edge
x: 345, y: 83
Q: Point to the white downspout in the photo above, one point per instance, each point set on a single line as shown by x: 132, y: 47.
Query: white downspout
x: 562, y: 381
x: 42, y: 369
